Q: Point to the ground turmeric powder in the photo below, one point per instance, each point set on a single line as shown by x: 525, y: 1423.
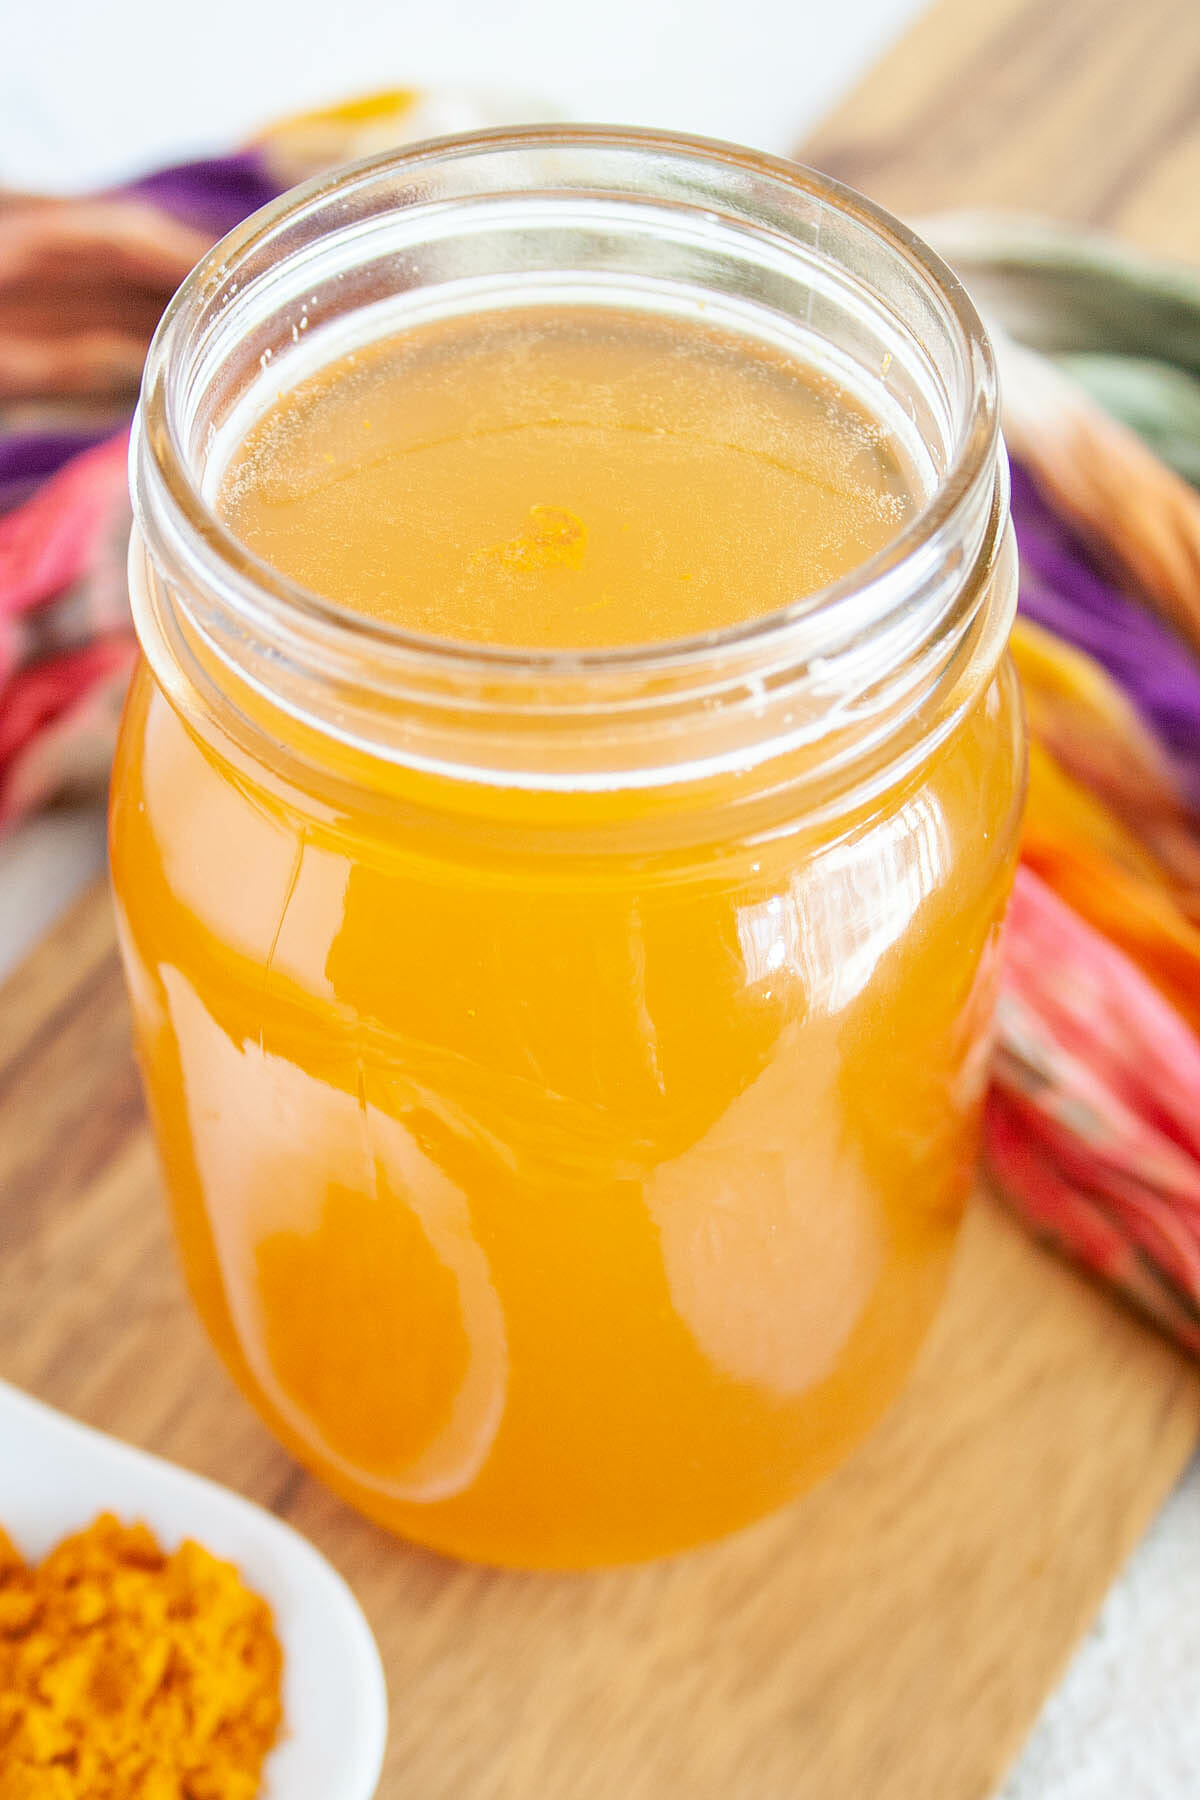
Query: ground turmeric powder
x: 130, y: 1674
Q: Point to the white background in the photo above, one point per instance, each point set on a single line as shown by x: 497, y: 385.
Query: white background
x: 90, y: 88
x: 93, y: 89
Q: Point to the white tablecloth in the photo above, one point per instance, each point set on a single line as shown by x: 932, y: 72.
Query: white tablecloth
x: 143, y: 82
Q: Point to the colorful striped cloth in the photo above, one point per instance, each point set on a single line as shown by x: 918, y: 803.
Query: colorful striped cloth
x: 1093, y: 1118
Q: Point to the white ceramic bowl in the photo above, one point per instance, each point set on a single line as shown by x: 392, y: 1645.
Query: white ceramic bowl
x: 56, y: 1475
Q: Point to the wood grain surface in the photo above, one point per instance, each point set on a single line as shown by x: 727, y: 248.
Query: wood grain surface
x: 1084, y: 109
x: 892, y: 1637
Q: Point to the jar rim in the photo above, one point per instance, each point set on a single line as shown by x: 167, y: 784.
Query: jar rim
x: 160, y: 458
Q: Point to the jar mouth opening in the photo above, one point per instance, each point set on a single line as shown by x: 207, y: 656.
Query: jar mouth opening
x: 168, y: 482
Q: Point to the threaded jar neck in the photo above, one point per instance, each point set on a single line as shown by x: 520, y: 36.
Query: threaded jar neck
x: 834, y: 683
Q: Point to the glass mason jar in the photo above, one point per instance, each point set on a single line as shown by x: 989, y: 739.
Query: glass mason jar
x: 566, y: 1066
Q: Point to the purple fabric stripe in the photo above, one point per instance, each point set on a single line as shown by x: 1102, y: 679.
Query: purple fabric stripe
x: 36, y: 454
x: 213, y: 195
x: 27, y: 458
x: 1062, y: 591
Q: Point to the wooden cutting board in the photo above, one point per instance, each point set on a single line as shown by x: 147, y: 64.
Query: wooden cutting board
x: 893, y: 1637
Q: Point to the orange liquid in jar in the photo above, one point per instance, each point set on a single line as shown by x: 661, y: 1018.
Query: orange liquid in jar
x: 563, y: 1188
x: 552, y: 480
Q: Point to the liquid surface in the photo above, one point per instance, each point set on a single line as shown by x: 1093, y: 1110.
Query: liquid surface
x: 563, y: 479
